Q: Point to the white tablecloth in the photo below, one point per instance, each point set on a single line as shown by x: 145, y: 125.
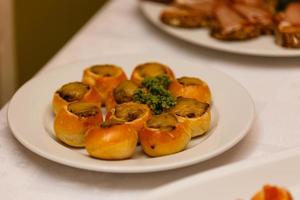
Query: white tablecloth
x: 119, y: 29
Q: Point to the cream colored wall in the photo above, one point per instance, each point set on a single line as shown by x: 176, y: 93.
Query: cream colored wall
x: 7, y: 52
x: 32, y: 31
x: 44, y: 26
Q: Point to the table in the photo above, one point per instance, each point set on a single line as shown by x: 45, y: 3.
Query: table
x: 120, y: 29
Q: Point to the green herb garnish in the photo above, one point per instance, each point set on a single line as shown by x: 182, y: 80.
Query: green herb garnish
x: 154, y: 93
x: 152, y: 82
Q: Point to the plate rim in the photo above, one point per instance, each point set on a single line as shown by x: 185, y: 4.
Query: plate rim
x: 188, y: 162
x: 142, y: 4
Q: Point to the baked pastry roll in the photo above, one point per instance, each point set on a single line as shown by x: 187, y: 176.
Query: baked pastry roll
x: 163, y: 135
x: 131, y: 113
x: 196, y: 113
x: 74, y: 92
x: 150, y: 69
x: 272, y: 193
x: 229, y: 25
x: 191, y: 87
x: 114, y: 140
x: 121, y: 94
x: 104, y: 77
x: 287, y: 33
x: 73, y: 120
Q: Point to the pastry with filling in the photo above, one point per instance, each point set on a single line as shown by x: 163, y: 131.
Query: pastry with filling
x: 191, y: 87
x: 164, y: 135
x: 75, y: 92
x: 196, y: 113
x: 131, y: 113
x: 73, y: 120
x: 270, y: 192
x: 114, y: 140
x: 123, y: 93
x: 151, y: 69
x: 104, y: 77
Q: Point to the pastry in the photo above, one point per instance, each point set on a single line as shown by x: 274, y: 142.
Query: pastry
x: 163, y: 135
x: 74, y: 92
x: 270, y: 192
x: 133, y: 114
x: 196, y: 113
x: 154, y: 109
x: 191, y: 87
x: 150, y: 69
x: 114, y: 140
x: 104, y: 77
x: 121, y: 94
x: 73, y: 120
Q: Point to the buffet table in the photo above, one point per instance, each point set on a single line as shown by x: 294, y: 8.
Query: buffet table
x: 120, y: 29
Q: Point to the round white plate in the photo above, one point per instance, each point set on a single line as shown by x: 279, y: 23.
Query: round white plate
x: 30, y: 118
x: 261, y: 46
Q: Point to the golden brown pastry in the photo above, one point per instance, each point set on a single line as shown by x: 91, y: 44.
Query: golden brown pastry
x: 114, y: 140
x: 73, y: 120
x: 196, y: 113
x: 75, y: 92
x: 104, y: 77
x: 163, y: 135
x: 121, y: 94
x: 150, y: 69
x: 191, y: 87
x: 131, y: 113
x: 270, y: 192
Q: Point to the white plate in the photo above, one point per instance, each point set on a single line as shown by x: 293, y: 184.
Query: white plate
x: 30, y: 118
x: 261, y: 46
x: 237, y: 181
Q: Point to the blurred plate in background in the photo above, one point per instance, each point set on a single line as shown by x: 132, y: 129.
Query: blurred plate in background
x: 261, y: 46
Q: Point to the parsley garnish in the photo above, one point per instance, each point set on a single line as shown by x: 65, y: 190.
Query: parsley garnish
x: 154, y: 93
